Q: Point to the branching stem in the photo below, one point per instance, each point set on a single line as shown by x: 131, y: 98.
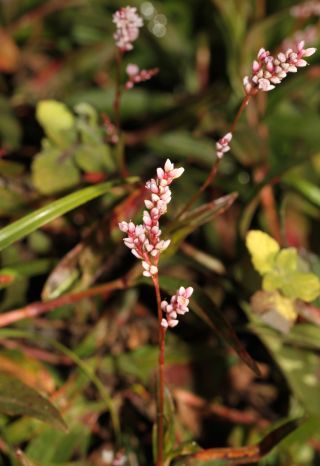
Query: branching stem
x: 214, y: 169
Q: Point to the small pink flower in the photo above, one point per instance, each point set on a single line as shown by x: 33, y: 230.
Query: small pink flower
x: 128, y: 23
x: 267, y: 71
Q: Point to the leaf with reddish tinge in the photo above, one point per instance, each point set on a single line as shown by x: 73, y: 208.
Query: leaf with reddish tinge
x: 18, y: 399
x: 179, y: 229
x: 243, y: 455
x: 204, y: 307
x: 9, y: 53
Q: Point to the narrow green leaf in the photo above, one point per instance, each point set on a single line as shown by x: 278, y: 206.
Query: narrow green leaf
x: 18, y: 399
x: 303, y: 186
x: 46, y: 214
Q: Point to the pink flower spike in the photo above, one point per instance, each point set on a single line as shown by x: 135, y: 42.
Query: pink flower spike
x: 306, y: 9
x: 127, y: 22
x: 267, y: 69
x: 144, y: 240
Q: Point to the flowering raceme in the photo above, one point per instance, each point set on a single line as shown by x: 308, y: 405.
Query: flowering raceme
x: 145, y: 240
x: 128, y: 23
x: 306, y: 10
x: 267, y: 71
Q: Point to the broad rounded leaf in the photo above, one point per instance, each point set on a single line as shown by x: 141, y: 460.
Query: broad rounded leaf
x: 18, y: 399
x: 94, y: 158
x: 287, y: 260
x: 263, y: 250
x: 54, y: 115
x: 305, y: 286
x: 57, y: 121
x: 273, y: 281
x: 53, y: 172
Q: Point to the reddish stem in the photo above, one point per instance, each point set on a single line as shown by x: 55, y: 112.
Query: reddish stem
x: 117, y: 114
x: 160, y: 391
x: 40, y: 307
x: 215, y: 166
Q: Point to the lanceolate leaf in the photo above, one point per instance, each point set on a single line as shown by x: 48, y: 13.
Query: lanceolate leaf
x: 46, y: 214
x: 18, y: 399
x: 202, y: 305
x: 177, y: 230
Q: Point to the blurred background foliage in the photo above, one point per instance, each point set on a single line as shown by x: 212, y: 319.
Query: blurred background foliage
x: 95, y: 357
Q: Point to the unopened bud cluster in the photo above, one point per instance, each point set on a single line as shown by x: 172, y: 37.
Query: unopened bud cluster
x: 136, y: 75
x: 111, y: 130
x: 309, y: 35
x: 128, y: 23
x: 267, y: 71
x: 145, y: 240
x: 222, y: 146
x: 178, y: 306
x: 306, y: 10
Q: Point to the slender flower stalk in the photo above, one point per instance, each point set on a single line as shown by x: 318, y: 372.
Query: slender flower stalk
x: 267, y: 72
x: 128, y: 23
x: 145, y: 242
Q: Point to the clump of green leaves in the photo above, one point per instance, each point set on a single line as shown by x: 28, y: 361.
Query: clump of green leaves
x: 286, y: 278
x: 73, y: 143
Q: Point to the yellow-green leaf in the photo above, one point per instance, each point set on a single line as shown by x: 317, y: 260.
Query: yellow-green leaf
x: 57, y: 121
x: 54, y: 115
x: 272, y: 281
x: 52, y: 172
x: 305, y: 286
x: 263, y: 250
x: 287, y: 260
